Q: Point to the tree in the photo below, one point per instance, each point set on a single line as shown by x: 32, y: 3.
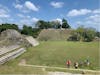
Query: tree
x: 86, y: 34
x: 55, y: 24
x: 83, y: 34
x: 98, y: 34
x: 8, y: 26
x: 89, y: 34
x: 36, y: 32
x: 27, y: 30
x: 42, y: 24
x: 74, y: 36
x: 65, y: 24
x: 52, y: 24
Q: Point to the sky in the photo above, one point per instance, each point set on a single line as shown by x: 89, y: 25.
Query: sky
x: 76, y: 12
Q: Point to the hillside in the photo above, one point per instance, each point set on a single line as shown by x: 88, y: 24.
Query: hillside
x: 54, y: 34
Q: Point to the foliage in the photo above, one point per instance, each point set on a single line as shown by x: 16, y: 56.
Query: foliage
x: 74, y: 36
x: 55, y: 24
x: 89, y: 34
x: 43, y: 24
x: 36, y: 32
x: 52, y: 24
x: 65, y: 24
x: 8, y: 26
x: 80, y: 34
x: 28, y: 30
x: 83, y: 34
x: 98, y: 34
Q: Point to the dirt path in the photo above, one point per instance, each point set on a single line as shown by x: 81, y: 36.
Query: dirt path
x: 85, y: 70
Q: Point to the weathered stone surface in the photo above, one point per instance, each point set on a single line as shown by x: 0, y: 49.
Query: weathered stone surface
x: 11, y: 37
x: 11, y: 55
x: 32, y: 41
x: 12, y: 44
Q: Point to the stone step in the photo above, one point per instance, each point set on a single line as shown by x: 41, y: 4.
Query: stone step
x: 12, y: 55
x: 4, y: 50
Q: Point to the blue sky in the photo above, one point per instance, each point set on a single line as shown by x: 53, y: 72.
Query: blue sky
x: 77, y: 12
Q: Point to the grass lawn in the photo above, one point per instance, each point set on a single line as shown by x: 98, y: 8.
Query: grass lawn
x: 54, y: 53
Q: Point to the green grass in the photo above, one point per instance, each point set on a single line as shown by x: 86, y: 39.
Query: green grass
x: 20, y: 70
x: 12, y: 67
x: 54, y: 53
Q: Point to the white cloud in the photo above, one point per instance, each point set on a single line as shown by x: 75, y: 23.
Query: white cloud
x: 35, y: 20
x: 28, y: 21
x: 26, y: 7
x: 28, y: 16
x: 91, y: 21
x: 4, y: 12
x: 20, y: 15
x: 58, y: 20
x: 31, y: 6
x: 76, y: 12
x: 94, y: 18
x: 23, y: 16
x: 19, y: 6
x: 4, y: 16
x: 96, y: 11
x: 57, y: 4
x: 25, y: 21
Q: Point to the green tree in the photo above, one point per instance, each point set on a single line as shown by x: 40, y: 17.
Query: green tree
x: 27, y: 30
x: 55, y: 24
x: 8, y: 26
x: 86, y: 34
x: 74, y: 36
x: 45, y: 25
x: 42, y: 24
x: 98, y: 34
x: 83, y: 34
x: 65, y: 24
x: 36, y: 32
x: 89, y: 34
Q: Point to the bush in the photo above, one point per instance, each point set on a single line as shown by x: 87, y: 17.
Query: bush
x: 83, y: 34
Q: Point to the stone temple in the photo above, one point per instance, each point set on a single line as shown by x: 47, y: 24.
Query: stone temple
x: 13, y: 44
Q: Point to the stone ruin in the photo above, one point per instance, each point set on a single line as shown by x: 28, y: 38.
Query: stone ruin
x: 13, y: 44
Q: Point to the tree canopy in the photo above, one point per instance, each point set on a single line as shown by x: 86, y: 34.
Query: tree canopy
x: 8, y: 26
x: 83, y: 34
x: 79, y: 34
x: 52, y: 24
x: 65, y: 24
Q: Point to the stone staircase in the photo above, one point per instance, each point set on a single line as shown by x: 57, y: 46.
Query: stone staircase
x: 11, y: 55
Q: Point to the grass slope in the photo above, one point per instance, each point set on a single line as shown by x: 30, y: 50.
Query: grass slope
x: 56, y: 53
